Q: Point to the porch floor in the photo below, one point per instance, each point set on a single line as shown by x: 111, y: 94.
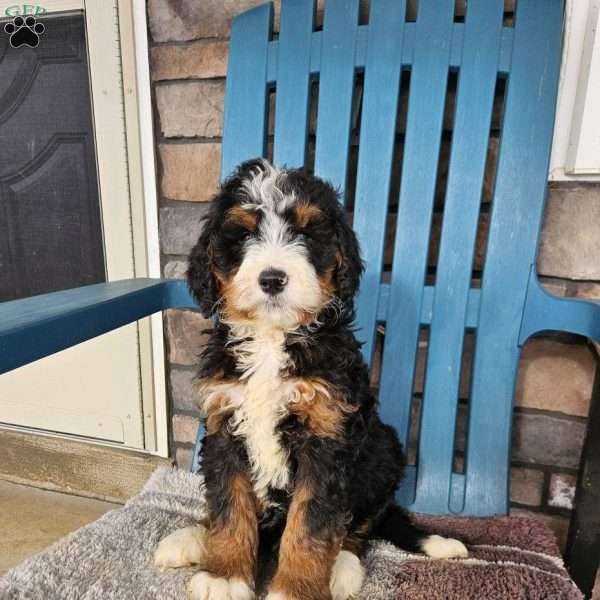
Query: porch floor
x: 31, y: 519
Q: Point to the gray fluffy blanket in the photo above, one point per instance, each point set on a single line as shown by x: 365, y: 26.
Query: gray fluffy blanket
x: 111, y: 559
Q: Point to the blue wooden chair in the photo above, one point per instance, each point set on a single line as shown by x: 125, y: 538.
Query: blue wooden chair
x: 508, y: 307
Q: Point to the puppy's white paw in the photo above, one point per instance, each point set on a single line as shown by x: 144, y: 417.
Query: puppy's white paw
x: 181, y: 548
x: 239, y: 590
x: 204, y: 586
x: 277, y: 596
x: 436, y: 546
x: 347, y: 576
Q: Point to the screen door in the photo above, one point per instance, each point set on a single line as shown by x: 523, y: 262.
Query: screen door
x: 65, y: 210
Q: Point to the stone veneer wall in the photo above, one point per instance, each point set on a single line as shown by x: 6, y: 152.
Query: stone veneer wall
x: 188, y: 65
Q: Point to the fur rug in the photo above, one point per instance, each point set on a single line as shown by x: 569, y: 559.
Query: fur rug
x: 111, y: 559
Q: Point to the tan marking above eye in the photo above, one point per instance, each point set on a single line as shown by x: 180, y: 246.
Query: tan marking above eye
x: 306, y: 212
x: 242, y: 217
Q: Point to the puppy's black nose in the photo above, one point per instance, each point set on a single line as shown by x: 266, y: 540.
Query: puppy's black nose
x: 272, y: 281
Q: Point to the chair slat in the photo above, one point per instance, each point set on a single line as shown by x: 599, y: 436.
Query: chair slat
x: 421, y: 152
x: 472, y: 317
x: 378, y: 133
x: 475, y: 98
x: 336, y: 85
x: 244, y: 127
x: 293, y: 83
x: 360, y: 55
x: 517, y: 209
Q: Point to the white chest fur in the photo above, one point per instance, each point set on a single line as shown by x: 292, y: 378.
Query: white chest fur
x: 261, y: 405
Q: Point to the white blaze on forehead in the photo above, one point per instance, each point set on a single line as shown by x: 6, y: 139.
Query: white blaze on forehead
x: 264, y: 191
x: 263, y: 188
x: 275, y: 248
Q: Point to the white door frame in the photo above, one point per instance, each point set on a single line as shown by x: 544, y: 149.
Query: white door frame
x: 135, y: 90
x: 141, y: 158
x: 150, y: 203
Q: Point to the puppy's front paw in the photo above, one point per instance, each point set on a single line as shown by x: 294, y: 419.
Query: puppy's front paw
x: 347, y: 576
x: 436, y: 546
x: 204, y: 586
x: 181, y: 548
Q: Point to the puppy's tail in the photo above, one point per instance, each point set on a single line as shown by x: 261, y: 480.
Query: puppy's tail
x: 395, y: 526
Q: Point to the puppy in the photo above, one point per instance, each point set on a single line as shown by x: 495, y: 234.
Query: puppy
x: 296, y: 461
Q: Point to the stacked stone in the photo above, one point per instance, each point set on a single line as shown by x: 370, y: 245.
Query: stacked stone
x: 556, y: 373
x: 189, y: 44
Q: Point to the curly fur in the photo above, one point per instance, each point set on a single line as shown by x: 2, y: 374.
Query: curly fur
x: 284, y: 380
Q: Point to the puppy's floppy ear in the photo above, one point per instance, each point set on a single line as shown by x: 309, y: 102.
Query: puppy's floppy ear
x: 201, y: 277
x: 200, y: 273
x: 350, y: 265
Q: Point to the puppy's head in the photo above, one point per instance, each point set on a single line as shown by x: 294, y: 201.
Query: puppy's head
x: 275, y: 248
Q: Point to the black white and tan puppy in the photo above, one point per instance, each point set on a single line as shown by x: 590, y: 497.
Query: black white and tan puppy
x: 295, y: 458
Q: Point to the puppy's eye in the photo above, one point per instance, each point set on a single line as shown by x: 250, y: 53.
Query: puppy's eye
x: 236, y: 233
x: 315, y: 232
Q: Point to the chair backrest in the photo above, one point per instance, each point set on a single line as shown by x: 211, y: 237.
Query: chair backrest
x: 482, y: 50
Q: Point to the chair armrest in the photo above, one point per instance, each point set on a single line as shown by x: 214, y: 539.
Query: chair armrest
x: 35, y: 327
x: 545, y: 312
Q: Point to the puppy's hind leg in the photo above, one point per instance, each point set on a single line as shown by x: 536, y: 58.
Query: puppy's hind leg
x: 182, y: 548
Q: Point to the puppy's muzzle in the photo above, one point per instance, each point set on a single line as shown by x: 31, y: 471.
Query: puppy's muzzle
x: 272, y: 281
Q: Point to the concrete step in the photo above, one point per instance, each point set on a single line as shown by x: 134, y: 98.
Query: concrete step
x: 74, y: 467
x: 31, y: 519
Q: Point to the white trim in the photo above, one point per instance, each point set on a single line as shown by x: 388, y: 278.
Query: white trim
x: 148, y: 161
x: 576, y: 25
x: 104, y: 51
x: 139, y: 163
x: 583, y: 152
x: 138, y: 218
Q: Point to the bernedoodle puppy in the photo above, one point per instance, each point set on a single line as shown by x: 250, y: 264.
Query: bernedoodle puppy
x: 296, y: 460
